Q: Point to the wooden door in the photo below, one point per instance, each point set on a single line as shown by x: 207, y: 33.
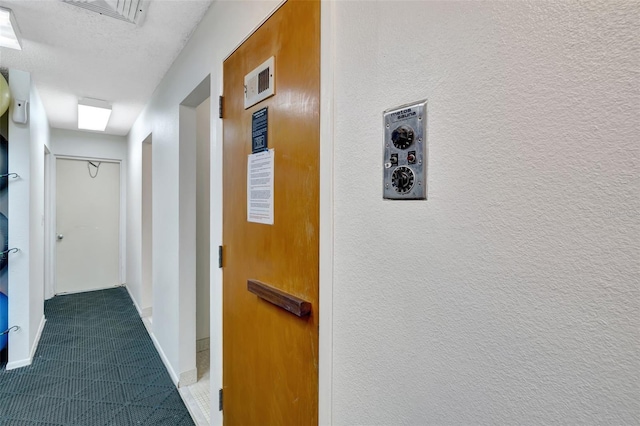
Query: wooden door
x: 270, y: 356
x: 87, y: 225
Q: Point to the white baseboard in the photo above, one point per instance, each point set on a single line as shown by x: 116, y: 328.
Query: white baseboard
x: 87, y: 290
x: 163, y: 357
x: 17, y: 364
x: 165, y: 360
x: 188, y: 377
x: 133, y: 299
x: 24, y: 362
x: 36, y: 341
x: 203, y: 344
x: 143, y: 312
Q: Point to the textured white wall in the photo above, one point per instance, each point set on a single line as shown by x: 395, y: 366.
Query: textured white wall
x: 26, y: 222
x: 78, y: 143
x: 511, y: 295
x: 40, y: 137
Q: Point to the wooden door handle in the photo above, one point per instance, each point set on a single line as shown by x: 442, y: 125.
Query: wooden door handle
x: 286, y: 301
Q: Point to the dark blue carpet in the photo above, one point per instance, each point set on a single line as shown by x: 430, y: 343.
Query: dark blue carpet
x: 95, y: 365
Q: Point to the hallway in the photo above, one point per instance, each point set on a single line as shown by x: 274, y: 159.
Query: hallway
x: 95, y: 364
x: 509, y: 295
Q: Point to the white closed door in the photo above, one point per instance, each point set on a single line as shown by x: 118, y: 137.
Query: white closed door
x: 87, y: 225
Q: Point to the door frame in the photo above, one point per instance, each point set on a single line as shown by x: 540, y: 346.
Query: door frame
x: 326, y: 236
x: 145, y: 304
x: 326, y: 268
x: 54, y: 203
x: 49, y: 225
x: 187, y: 368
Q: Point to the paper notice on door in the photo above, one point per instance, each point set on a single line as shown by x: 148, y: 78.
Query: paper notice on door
x: 260, y: 187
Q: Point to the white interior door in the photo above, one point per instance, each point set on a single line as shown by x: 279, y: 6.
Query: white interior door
x: 88, y: 225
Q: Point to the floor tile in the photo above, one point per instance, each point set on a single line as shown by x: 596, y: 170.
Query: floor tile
x: 95, y: 365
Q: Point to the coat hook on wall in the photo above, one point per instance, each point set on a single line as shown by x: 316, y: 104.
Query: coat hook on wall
x: 14, y: 328
x: 3, y: 254
x: 11, y: 175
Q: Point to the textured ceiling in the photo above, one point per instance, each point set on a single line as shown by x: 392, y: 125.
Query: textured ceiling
x: 74, y: 53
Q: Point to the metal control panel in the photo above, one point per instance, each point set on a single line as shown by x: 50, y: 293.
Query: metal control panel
x: 405, y: 152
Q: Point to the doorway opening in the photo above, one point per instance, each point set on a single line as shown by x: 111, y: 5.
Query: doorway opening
x: 195, y: 276
x: 146, y: 302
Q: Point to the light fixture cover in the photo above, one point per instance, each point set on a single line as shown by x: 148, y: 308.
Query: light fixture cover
x: 93, y: 114
x: 9, y: 33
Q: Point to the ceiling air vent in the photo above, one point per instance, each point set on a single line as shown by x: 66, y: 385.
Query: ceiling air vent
x: 131, y: 11
x: 259, y: 83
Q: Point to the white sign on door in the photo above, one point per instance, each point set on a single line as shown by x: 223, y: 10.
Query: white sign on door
x: 260, y: 187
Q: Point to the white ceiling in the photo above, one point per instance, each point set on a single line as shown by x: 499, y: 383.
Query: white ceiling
x: 73, y: 53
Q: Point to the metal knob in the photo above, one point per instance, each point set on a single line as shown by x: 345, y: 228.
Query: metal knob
x: 402, y: 137
x: 60, y: 236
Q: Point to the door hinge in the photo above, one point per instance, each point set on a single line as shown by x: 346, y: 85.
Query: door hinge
x: 220, y: 102
x: 219, y: 256
x: 220, y: 400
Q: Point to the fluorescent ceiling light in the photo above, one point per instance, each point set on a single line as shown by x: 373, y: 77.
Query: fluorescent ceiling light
x: 9, y: 33
x: 93, y: 114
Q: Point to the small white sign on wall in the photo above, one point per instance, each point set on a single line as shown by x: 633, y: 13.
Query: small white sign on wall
x: 260, y: 187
